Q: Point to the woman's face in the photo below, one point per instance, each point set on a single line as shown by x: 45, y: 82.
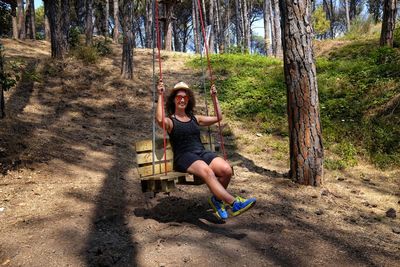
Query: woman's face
x: 181, y: 99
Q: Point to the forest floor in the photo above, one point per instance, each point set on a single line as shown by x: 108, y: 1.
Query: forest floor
x: 70, y: 194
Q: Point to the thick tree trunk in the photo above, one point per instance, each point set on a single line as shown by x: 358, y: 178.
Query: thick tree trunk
x: 353, y: 9
x: 116, y: 22
x: 267, y: 26
x: 30, y: 28
x: 89, y: 22
x: 127, y: 46
x: 277, y: 29
x: 388, y: 22
x: 54, y: 11
x: 306, y: 151
x: 21, y: 20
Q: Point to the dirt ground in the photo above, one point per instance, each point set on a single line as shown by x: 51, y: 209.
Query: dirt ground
x: 70, y: 193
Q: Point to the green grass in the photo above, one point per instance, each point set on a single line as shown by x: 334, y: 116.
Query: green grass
x: 356, y: 85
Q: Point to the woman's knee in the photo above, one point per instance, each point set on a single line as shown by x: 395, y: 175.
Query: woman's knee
x: 226, y: 171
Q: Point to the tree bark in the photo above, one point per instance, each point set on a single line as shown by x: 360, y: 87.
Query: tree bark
x: 21, y: 20
x: 277, y: 29
x: 2, y: 102
x: 267, y: 27
x: 306, y: 150
x: 127, y: 46
x: 89, y: 22
x: 388, y: 22
x: 30, y: 28
x: 346, y: 5
x: 116, y: 22
x: 47, y: 31
x: 54, y: 11
x: 246, y: 27
x: 239, y: 39
x: 14, y: 20
x: 195, y: 21
x: 149, y: 24
x: 211, y: 24
x: 169, y: 9
x: 107, y: 16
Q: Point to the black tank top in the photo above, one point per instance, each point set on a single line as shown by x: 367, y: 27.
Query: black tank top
x: 185, y: 136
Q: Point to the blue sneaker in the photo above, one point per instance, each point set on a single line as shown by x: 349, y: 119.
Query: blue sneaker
x: 240, y: 205
x: 219, y: 208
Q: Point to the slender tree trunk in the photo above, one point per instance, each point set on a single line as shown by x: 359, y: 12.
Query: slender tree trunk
x: 2, y: 102
x: 149, y: 24
x: 169, y: 7
x: 47, y: 31
x: 346, y: 5
x: 21, y: 20
x: 195, y: 21
x: 116, y: 22
x: 127, y: 48
x: 219, y: 32
x: 59, y: 44
x: 353, y: 9
x: 107, y: 16
x: 30, y: 20
x: 89, y: 22
x: 227, y: 23
x: 14, y: 20
x: 238, y: 23
x: 267, y: 27
x: 65, y: 22
x: 277, y: 29
x: 388, y: 22
x: 306, y: 150
x: 246, y: 26
x: 211, y: 24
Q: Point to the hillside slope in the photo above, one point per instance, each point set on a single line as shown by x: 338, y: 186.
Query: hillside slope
x: 70, y: 194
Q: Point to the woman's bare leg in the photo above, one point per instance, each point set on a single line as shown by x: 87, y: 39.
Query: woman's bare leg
x: 201, y: 169
x: 222, y: 170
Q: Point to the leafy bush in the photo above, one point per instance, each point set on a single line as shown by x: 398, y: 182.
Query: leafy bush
x: 73, y: 38
x: 396, y: 36
x: 103, y: 47
x: 87, y: 54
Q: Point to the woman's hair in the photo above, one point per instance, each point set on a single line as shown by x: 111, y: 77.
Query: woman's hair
x: 171, y: 102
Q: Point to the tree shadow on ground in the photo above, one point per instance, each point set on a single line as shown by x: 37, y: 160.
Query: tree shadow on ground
x: 192, y: 211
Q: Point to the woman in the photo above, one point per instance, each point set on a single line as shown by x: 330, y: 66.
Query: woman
x: 189, y: 153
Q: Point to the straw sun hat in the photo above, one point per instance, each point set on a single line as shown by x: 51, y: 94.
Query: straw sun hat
x: 180, y: 85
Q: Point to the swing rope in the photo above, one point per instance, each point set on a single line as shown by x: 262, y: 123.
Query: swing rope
x: 214, y: 97
x: 162, y: 95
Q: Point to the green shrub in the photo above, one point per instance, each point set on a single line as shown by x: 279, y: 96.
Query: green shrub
x: 396, y: 36
x: 103, y: 48
x: 73, y: 38
x: 87, y: 54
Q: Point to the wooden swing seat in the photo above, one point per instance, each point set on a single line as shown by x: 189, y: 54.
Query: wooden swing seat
x: 154, y: 179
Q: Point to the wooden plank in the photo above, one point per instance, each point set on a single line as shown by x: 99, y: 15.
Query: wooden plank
x: 147, y: 170
x: 147, y: 157
x: 190, y: 179
x: 147, y: 145
x: 169, y: 176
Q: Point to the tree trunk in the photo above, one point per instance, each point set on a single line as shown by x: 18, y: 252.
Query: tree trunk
x: 107, y: 16
x: 195, y: 21
x: 267, y: 27
x: 169, y: 7
x: 54, y: 10
x: 277, y: 30
x: 388, y: 22
x: 353, y: 9
x: 219, y: 31
x: 14, y: 20
x: 2, y: 102
x: 227, y: 23
x: 246, y: 27
x: 149, y: 24
x: 239, y: 41
x: 47, y: 31
x: 306, y: 150
x: 346, y: 5
x: 127, y: 46
x: 30, y: 20
x: 21, y: 20
x: 116, y: 22
x: 89, y: 22
x: 211, y: 24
